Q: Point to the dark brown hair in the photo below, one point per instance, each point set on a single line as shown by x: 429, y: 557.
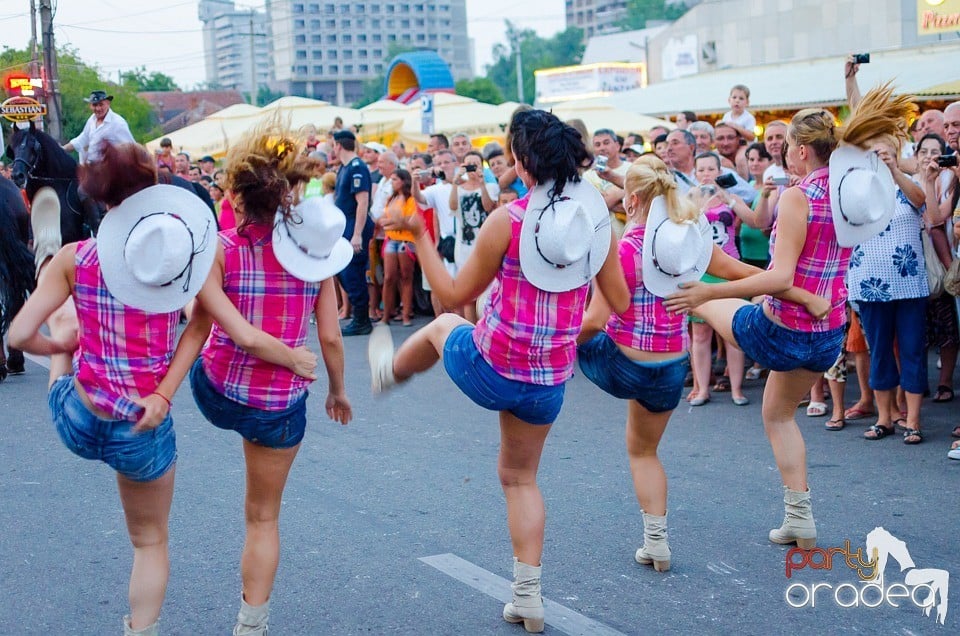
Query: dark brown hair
x: 123, y: 170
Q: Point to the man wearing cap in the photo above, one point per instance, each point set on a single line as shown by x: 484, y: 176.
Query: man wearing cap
x: 371, y: 156
x: 207, y: 165
x: 103, y: 125
x: 352, y: 195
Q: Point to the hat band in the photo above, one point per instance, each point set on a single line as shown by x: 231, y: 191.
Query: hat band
x: 536, y: 235
x: 302, y: 248
x: 840, y: 189
x: 194, y: 248
x: 653, y: 253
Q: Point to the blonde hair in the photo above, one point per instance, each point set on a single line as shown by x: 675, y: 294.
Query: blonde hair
x: 262, y: 170
x: 649, y: 177
x: 878, y: 116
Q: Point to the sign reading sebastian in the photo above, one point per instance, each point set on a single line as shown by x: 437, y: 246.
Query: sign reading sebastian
x: 21, y: 109
x: 937, y: 16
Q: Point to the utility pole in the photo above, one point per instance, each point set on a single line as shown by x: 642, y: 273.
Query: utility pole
x: 34, y: 68
x: 51, y: 76
x: 516, y: 47
x: 253, y: 64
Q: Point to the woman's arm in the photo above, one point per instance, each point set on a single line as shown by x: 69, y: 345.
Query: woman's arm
x: 595, y: 318
x: 611, y: 281
x: 254, y: 341
x: 53, y: 289
x: 489, y: 205
x: 778, y: 279
x: 331, y: 347
x: 479, y: 270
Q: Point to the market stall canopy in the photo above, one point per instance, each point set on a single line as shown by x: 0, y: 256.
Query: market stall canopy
x: 454, y: 114
x: 597, y: 114
x: 794, y: 85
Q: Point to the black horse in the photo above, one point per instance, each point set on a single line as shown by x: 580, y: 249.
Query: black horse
x: 16, y: 267
x: 39, y: 161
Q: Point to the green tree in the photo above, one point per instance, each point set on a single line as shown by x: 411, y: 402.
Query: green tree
x: 563, y: 49
x: 639, y: 11
x: 265, y: 95
x: 140, y: 80
x: 481, y: 89
x: 77, y: 79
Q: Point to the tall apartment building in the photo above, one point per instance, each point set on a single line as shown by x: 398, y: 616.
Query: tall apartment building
x: 596, y: 17
x: 328, y: 49
x: 236, y: 46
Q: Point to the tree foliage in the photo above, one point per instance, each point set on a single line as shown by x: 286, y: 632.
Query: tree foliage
x: 140, y: 80
x: 639, y: 11
x: 563, y: 49
x: 481, y: 89
x: 77, y: 80
x: 266, y: 96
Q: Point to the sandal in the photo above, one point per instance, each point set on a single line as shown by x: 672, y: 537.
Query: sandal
x: 879, y: 432
x: 912, y: 436
x: 816, y: 409
x: 955, y: 432
x: 944, y: 394
x: 858, y: 414
x: 722, y: 385
x: 900, y: 424
x: 835, y: 425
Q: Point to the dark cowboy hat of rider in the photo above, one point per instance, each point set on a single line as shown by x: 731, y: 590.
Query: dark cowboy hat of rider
x: 98, y: 96
x: 156, y: 248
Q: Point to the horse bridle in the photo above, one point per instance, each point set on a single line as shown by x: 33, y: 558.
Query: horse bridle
x: 29, y: 167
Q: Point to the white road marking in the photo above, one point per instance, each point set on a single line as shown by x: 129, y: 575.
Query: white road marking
x: 557, y: 616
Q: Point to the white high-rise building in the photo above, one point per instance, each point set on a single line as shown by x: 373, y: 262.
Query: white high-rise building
x: 236, y: 46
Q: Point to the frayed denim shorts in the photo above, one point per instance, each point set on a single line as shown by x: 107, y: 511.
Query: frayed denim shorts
x: 657, y: 386
x: 780, y: 349
x: 273, y: 429
x: 532, y: 403
x: 142, y: 456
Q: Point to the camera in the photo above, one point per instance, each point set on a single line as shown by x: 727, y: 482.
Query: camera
x: 861, y: 58
x: 726, y: 181
x: 440, y: 174
x: 470, y: 167
x: 424, y: 174
x: 708, y: 190
x: 781, y: 181
x: 947, y: 161
x: 600, y: 163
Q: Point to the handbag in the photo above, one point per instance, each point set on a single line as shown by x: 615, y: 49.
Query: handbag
x: 951, y: 280
x: 935, y: 268
x: 446, y: 248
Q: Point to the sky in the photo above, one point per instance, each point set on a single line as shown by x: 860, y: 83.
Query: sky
x: 119, y: 35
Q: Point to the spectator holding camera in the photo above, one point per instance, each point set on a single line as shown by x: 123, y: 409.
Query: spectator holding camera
x: 607, y: 175
x: 471, y: 200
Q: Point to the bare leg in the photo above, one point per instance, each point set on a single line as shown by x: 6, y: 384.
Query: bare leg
x: 391, y: 277
x: 406, y: 287
x: 424, y: 348
x: 719, y: 315
x: 914, y: 402
x: 520, y: 447
x: 865, y: 403
x: 147, y: 509
x: 781, y: 397
x: 948, y: 361
x: 644, y: 430
x: 700, y: 358
x: 267, y: 470
x: 735, y: 362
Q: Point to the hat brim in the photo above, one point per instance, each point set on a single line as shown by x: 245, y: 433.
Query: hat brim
x: 97, y: 100
x: 116, y: 227
x: 657, y: 282
x: 301, y: 265
x: 841, y: 160
x: 542, y: 274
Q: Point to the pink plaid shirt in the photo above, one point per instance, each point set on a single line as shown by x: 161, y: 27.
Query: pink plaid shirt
x: 271, y: 300
x: 124, y: 352
x: 525, y: 333
x: 645, y: 325
x: 822, y: 265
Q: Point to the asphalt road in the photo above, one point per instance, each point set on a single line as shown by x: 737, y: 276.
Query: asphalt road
x: 395, y: 524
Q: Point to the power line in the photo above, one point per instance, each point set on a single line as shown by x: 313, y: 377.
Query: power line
x: 125, y: 31
x: 133, y: 15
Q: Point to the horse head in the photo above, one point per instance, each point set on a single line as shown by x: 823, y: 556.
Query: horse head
x: 25, y: 151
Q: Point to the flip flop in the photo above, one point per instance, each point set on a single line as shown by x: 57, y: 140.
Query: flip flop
x: 835, y: 425
x: 816, y: 409
x: 944, y: 394
x: 859, y: 414
x: 955, y: 432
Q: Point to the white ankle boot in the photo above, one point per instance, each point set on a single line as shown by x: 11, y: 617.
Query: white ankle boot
x: 527, y: 605
x: 655, y: 549
x: 798, y: 524
x: 252, y: 620
x: 149, y: 630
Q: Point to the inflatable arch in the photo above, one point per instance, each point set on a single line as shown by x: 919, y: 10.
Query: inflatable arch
x: 411, y: 73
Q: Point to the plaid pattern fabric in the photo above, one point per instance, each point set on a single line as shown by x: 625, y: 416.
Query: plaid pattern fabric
x: 124, y: 352
x: 822, y: 265
x: 525, y: 333
x: 645, y: 325
x: 271, y: 300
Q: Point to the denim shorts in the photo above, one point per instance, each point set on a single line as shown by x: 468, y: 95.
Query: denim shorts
x: 142, y: 456
x: 781, y: 349
x: 273, y: 429
x: 657, y: 386
x: 532, y: 403
x: 399, y: 247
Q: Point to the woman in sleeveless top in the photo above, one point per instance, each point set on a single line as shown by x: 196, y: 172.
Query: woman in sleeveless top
x: 274, y: 270
x: 641, y: 354
x: 780, y: 334
x: 519, y: 356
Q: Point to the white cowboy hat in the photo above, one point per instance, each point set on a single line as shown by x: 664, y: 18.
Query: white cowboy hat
x: 564, y: 244
x: 863, y: 195
x: 309, y: 244
x: 156, y: 248
x: 674, y: 253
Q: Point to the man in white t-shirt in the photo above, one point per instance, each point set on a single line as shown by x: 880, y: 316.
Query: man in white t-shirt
x: 607, y: 175
x: 774, y: 136
x: 437, y: 197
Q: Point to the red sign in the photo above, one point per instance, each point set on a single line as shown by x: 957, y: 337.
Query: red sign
x: 22, y: 84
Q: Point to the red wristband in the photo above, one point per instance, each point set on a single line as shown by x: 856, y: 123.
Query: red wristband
x: 164, y: 398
